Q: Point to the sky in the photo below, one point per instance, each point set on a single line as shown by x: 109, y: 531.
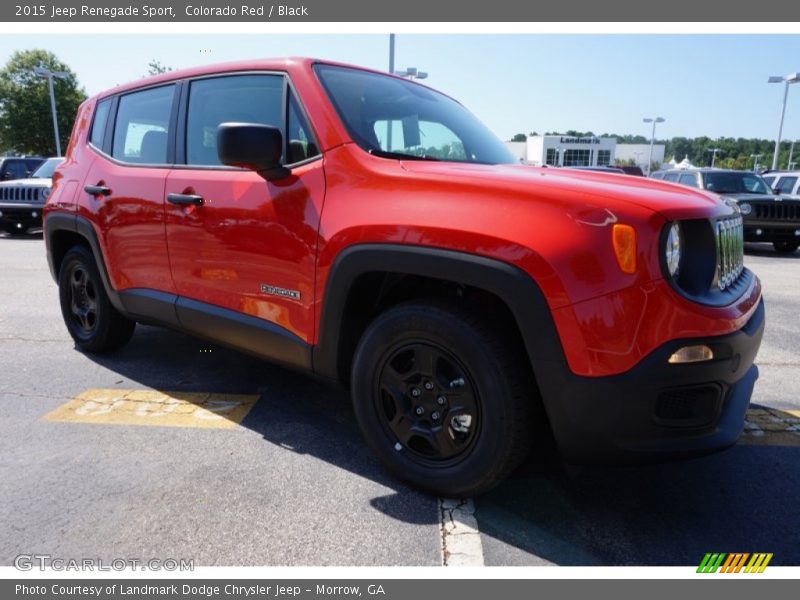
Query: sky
x: 702, y: 84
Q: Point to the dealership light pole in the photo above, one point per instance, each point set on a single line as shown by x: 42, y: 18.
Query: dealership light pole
x: 49, y: 75
x: 714, y: 155
x: 791, y: 155
x: 652, y: 139
x: 391, y: 70
x: 791, y: 78
x: 755, y: 158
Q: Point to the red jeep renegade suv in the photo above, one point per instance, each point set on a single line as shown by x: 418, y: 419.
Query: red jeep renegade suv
x: 371, y: 231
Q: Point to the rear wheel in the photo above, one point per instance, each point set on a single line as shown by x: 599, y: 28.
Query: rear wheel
x: 442, y: 398
x: 786, y: 247
x: 94, y: 324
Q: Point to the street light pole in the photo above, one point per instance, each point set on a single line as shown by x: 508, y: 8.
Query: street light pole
x: 713, y: 155
x: 652, y: 139
x: 755, y: 158
x: 792, y: 78
x: 391, y: 70
x: 49, y: 75
x: 791, y: 155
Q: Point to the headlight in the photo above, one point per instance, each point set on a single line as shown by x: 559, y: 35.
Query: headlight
x: 672, y: 252
x: 745, y: 208
x: 46, y: 193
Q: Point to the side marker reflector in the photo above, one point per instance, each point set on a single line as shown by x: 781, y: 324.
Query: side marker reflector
x: 624, y: 241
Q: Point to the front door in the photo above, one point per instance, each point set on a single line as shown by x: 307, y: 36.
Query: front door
x: 236, y: 241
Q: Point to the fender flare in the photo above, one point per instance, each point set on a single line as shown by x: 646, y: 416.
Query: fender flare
x: 512, y: 285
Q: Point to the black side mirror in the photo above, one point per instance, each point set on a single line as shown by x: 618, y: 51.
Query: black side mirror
x: 252, y: 146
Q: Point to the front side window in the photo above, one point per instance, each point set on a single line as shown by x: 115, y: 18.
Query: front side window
x: 141, y: 129
x: 235, y: 98
x: 395, y: 118
x: 671, y: 177
x: 300, y: 139
x: 688, y: 179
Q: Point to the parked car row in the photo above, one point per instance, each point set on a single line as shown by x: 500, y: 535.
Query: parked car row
x: 769, y: 212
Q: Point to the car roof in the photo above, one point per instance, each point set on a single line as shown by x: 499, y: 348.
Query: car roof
x: 286, y: 64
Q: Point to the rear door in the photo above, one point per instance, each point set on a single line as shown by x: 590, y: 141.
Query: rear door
x: 245, y: 245
x: 125, y: 189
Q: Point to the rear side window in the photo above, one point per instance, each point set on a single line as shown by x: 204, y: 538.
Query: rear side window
x: 235, y: 98
x: 141, y: 129
x: 99, y: 123
x: 671, y: 177
x: 688, y: 179
x: 786, y: 185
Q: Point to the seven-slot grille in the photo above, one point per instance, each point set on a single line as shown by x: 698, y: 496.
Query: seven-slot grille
x: 22, y: 193
x: 780, y: 211
x: 730, y: 250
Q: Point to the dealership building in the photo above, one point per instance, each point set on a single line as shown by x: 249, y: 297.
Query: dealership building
x: 592, y: 151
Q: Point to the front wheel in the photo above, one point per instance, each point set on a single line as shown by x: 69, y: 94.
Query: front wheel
x: 442, y: 398
x: 94, y: 324
x: 786, y: 247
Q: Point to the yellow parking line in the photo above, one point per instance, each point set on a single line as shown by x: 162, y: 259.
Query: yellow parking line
x: 151, y: 407
x: 771, y: 427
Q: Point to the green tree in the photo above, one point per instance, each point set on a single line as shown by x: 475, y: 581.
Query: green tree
x: 155, y: 67
x: 26, y: 122
x: 519, y: 137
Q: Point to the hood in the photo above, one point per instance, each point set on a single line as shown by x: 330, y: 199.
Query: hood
x: 31, y: 182
x: 567, y: 185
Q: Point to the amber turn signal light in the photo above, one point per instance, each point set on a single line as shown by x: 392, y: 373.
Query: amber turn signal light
x: 624, y: 240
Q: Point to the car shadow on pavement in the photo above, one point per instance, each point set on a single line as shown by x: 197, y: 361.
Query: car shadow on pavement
x: 741, y: 500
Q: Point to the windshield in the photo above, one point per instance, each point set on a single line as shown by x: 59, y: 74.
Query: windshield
x: 46, y: 169
x: 735, y: 183
x: 395, y: 118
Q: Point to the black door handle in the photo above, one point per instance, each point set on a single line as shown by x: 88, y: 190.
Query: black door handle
x: 185, y: 199
x: 97, y: 190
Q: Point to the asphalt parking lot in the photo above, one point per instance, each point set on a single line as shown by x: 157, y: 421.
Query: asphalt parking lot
x: 173, y: 448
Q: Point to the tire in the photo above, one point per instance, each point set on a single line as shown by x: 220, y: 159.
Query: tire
x: 410, y: 358
x: 94, y: 324
x: 786, y: 247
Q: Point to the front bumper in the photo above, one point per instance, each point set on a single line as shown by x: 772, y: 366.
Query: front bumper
x: 771, y: 231
x: 657, y: 410
x: 20, y: 216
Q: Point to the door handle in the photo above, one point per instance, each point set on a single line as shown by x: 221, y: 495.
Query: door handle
x: 192, y: 199
x: 97, y: 190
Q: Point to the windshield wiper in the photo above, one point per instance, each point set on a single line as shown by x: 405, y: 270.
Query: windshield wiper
x: 400, y: 155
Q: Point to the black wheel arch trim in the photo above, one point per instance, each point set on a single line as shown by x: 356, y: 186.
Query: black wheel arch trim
x: 518, y: 290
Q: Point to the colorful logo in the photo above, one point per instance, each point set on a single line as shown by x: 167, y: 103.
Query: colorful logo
x: 735, y: 562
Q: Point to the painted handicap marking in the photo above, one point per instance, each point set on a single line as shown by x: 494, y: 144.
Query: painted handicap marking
x: 766, y: 426
x: 152, y: 407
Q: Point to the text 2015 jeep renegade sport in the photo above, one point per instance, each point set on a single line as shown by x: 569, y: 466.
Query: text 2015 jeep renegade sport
x: 371, y: 231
